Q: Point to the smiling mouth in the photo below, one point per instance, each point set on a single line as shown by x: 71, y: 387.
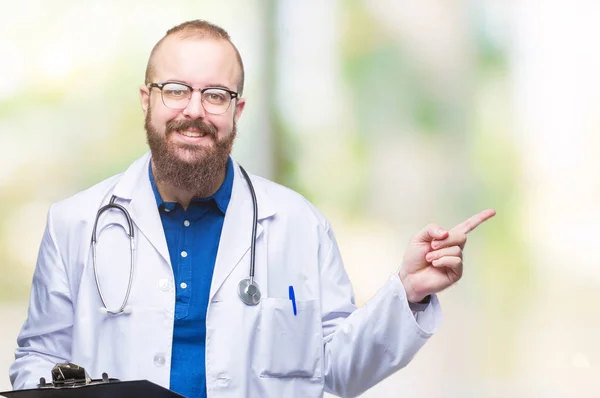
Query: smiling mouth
x: 191, y: 133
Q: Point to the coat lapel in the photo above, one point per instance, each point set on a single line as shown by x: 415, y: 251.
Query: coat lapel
x: 135, y: 188
x: 236, y: 235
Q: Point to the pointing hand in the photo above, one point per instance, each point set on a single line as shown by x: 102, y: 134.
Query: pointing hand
x: 433, y: 260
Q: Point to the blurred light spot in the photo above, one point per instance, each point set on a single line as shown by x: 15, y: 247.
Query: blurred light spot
x: 13, y: 66
x: 579, y: 360
x: 57, y: 62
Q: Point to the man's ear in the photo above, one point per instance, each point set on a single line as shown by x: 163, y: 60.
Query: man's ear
x: 145, y: 98
x: 240, y: 103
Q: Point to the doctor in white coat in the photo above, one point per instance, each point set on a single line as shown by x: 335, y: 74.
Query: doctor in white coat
x: 301, y: 346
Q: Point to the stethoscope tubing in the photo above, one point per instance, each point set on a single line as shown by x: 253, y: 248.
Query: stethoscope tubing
x: 123, y: 308
x: 254, y: 224
x: 130, y: 233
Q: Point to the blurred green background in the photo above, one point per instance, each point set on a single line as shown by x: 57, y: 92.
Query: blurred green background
x: 387, y: 115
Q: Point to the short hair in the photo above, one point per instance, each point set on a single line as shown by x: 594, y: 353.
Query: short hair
x: 197, y: 28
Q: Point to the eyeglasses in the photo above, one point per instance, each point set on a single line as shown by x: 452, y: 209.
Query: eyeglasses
x: 177, y: 96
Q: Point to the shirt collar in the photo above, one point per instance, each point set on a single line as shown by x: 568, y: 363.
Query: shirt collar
x: 221, y: 197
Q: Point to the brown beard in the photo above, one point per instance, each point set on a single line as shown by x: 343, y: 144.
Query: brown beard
x: 201, y: 175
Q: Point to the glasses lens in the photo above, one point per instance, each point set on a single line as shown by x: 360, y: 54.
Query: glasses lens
x: 216, y: 101
x: 175, y: 95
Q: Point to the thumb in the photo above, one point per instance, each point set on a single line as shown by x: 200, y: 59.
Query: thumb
x: 430, y: 233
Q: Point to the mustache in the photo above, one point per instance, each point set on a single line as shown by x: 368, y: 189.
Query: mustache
x: 198, y: 124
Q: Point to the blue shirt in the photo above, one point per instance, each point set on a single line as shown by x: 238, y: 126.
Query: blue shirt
x: 193, y: 239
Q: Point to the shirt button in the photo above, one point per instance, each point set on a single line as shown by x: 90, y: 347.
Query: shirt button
x: 159, y: 360
x: 163, y: 284
x: 184, y: 254
x: 183, y: 285
x: 167, y: 210
x: 186, y: 223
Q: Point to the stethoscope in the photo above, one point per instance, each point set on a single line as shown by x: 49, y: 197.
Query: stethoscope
x: 248, y: 289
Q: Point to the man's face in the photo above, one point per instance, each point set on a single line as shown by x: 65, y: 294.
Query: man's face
x: 191, y: 137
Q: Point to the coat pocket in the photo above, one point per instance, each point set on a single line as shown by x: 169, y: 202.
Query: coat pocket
x: 290, y: 345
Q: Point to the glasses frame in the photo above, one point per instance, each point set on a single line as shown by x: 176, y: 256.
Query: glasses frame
x: 161, y: 85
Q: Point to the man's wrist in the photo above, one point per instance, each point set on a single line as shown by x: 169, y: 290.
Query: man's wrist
x: 411, y: 295
x: 421, y: 305
x: 415, y: 303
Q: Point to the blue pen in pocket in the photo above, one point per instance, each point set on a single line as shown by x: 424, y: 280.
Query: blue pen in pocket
x: 293, y: 298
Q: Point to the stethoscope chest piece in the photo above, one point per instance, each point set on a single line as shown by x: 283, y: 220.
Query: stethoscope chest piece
x: 249, y: 292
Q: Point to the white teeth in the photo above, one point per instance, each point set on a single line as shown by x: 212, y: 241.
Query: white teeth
x: 194, y: 134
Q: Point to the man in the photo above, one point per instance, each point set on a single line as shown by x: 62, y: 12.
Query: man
x: 179, y: 317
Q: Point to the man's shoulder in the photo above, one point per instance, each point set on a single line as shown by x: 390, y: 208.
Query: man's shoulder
x: 288, y: 201
x: 90, y: 197
x: 95, y: 195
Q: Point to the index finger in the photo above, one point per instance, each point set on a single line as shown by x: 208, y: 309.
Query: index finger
x: 472, y: 222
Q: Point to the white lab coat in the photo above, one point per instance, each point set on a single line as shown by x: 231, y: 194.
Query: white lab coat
x: 259, y: 351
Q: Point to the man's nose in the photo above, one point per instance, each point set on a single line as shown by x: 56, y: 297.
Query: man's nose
x: 195, y: 109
